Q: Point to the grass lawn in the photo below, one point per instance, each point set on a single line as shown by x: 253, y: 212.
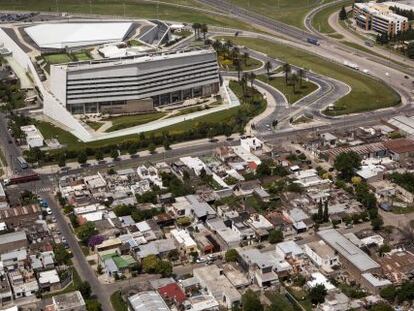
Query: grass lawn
x: 250, y: 64
x: 402, y: 210
x: 301, y: 120
x: 320, y: 20
x: 291, y: 12
x: 81, y: 56
x: 135, y: 43
x: 336, y: 36
x: 287, y: 90
x: 49, y: 131
x: 94, y: 125
x: 222, y: 117
x: 58, y: 58
x: 301, y: 296
x: 280, y: 300
x: 132, y: 8
x: 123, y: 122
x: 117, y: 302
x: 364, y: 95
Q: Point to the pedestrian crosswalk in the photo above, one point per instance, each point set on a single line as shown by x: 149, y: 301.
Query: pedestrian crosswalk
x: 43, y: 189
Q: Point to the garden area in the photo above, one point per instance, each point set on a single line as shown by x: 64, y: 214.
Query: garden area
x: 294, y: 85
x: 231, y: 58
x: 364, y: 95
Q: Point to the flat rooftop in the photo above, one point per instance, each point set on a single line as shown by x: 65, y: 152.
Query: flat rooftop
x: 136, y: 59
x: 348, y: 250
x: 62, y: 35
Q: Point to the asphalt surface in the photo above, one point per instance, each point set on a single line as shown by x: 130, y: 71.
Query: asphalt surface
x: 82, y: 266
x: 8, y: 146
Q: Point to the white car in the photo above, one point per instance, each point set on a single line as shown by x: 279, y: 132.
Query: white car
x: 49, y: 211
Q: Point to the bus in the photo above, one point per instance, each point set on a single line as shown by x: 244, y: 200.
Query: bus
x: 22, y: 162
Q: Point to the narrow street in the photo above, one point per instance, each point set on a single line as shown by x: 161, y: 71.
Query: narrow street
x: 79, y: 261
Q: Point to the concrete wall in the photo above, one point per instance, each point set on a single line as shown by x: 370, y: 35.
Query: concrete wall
x: 51, y: 106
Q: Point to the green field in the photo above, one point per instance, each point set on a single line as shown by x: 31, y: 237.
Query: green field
x: 119, y: 123
x: 291, y: 12
x: 320, y: 20
x: 94, y: 124
x: 57, y: 58
x: 287, y: 90
x: 229, y: 117
x: 250, y: 64
x: 118, y: 304
x: 365, y: 95
x: 81, y: 56
x: 131, y: 8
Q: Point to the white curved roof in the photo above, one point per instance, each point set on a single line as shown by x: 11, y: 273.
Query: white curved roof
x: 61, y: 35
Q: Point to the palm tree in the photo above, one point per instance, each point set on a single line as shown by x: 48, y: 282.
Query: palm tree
x: 246, y: 56
x: 196, y: 27
x: 238, y: 66
x: 301, y: 74
x: 217, y: 46
x: 294, y: 80
x: 243, y: 84
x: 235, y: 52
x: 268, y: 67
x: 286, y: 70
x: 252, y: 77
x: 204, y: 30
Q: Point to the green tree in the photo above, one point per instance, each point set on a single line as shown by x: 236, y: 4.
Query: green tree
x: 62, y: 256
x: 231, y: 255
x: 317, y: 294
x: 381, y: 306
x: 85, y: 289
x: 275, y: 236
x: 61, y: 159
x: 132, y: 149
x: 346, y: 163
x: 114, y: 154
x: 268, y: 67
x: 151, y: 148
x: 251, y: 301
x: 99, y: 155
x: 85, y: 231
x: 383, y: 249
x: 342, y: 14
x: 264, y: 168
x: 388, y: 293
x: 82, y: 157
x: 326, y: 212
x: 204, y: 30
x: 377, y: 223
x: 93, y: 305
x: 286, y: 69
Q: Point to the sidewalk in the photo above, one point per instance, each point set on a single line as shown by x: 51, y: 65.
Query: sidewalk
x: 53, y: 169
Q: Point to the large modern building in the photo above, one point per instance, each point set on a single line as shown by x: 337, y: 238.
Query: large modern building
x: 379, y: 18
x: 135, y: 83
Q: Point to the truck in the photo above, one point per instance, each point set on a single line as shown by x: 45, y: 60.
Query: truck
x: 351, y: 65
x: 313, y: 41
x: 21, y: 179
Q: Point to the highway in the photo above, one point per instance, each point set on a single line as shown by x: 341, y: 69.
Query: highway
x: 389, y: 72
x: 330, y: 90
